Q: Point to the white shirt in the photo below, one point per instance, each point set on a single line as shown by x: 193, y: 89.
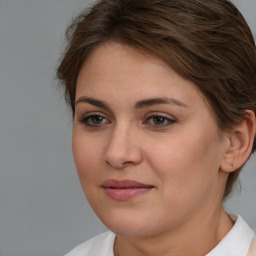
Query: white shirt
x: 240, y: 241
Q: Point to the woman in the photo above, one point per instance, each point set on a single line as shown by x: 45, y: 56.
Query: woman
x: 163, y: 94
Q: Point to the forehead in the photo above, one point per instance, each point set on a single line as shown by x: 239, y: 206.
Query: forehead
x: 115, y: 69
x: 112, y: 56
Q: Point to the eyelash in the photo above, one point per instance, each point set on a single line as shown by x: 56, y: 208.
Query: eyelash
x: 88, y: 120
x: 167, y: 121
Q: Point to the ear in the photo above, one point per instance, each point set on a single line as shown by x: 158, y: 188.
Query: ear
x: 240, y: 142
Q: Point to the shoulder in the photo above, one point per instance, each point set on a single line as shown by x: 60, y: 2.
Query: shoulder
x: 100, y: 245
x: 252, y: 249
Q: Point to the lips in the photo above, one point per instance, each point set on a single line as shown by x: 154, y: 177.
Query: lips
x: 123, y: 190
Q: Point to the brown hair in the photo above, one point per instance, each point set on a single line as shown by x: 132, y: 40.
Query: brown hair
x: 205, y: 41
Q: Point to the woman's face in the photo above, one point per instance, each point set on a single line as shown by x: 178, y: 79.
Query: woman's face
x: 146, y: 144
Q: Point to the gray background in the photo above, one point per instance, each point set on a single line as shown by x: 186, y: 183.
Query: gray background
x: 42, y: 208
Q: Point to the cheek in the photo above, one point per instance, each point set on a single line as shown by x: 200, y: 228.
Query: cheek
x: 86, y: 156
x: 186, y: 163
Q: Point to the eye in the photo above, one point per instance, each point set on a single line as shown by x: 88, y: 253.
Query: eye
x: 159, y: 120
x: 94, y: 120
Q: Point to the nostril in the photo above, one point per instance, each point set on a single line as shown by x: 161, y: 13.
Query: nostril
x: 119, y: 165
x: 114, y: 164
x: 127, y: 163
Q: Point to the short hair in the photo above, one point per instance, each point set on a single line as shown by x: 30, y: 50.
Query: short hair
x: 205, y: 41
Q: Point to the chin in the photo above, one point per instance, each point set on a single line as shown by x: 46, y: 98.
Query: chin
x: 128, y: 229
x: 130, y: 224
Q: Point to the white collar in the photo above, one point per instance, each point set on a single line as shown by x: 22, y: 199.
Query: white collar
x: 238, y: 240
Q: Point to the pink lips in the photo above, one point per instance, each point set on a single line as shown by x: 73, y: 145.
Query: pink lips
x: 123, y: 190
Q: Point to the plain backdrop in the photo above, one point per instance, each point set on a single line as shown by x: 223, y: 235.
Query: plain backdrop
x: 43, y: 211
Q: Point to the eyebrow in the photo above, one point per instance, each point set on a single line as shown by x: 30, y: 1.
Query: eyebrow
x: 94, y: 102
x: 140, y: 104
x: 156, y: 101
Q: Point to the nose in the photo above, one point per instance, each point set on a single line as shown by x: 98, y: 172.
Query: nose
x: 123, y: 148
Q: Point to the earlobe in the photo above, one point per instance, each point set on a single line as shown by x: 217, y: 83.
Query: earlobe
x: 240, y: 142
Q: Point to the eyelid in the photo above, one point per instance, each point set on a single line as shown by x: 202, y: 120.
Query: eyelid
x: 92, y: 113
x: 160, y: 114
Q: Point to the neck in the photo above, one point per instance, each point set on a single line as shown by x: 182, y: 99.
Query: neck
x: 197, y: 239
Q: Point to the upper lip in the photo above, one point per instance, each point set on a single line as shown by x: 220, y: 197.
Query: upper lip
x: 124, y: 184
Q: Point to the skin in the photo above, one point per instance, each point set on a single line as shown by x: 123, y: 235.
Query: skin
x: 180, y: 155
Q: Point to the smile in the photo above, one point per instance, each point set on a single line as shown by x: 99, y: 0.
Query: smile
x: 123, y: 190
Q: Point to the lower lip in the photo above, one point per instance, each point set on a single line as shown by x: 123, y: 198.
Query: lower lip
x: 124, y: 194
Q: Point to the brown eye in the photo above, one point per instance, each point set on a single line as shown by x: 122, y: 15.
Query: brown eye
x: 159, y: 121
x: 94, y: 120
x: 97, y: 119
